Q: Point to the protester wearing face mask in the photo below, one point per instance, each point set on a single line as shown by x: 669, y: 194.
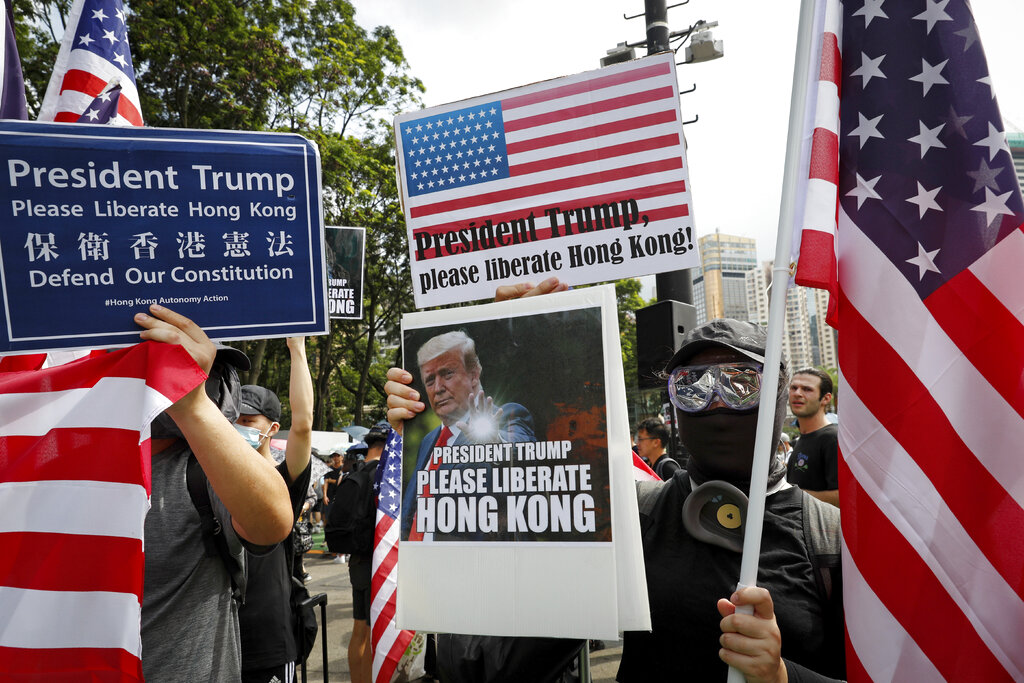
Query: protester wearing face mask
x: 269, y: 650
x: 796, y: 631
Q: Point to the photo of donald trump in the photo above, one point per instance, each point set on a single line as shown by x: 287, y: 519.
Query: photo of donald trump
x: 450, y: 370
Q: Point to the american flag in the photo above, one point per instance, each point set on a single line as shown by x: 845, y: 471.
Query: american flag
x: 74, y: 492
x: 388, y: 641
x: 642, y: 471
x: 93, y: 55
x: 577, y: 142
x: 103, y: 109
x: 931, y: 312
x: 12, y: 83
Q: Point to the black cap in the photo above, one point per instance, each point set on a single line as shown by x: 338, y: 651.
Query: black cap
x: 258, y: 400
x: 748, y: 338
x: 357, y: 451
x: 378, y: 432
x: 232, y: 356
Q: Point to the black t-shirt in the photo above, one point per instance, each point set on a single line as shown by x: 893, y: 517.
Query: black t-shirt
x: 665, y: 467
x: 336, y: 474
x: 265, y: 620
x: 686, y: 577
x: 814, y: 462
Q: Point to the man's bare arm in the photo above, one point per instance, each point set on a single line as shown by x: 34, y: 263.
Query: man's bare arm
x: 300, y: 394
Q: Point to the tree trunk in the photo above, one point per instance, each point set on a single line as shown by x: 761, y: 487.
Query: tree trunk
x: 253, y: 376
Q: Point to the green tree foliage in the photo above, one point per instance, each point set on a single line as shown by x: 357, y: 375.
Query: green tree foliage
x: 302, y: 66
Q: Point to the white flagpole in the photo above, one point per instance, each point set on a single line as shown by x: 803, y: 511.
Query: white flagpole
x: 806, y: 40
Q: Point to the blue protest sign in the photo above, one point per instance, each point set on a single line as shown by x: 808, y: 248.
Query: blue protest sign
x: 97, y: 222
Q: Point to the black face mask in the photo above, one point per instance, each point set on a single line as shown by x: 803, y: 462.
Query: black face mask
x: 721, y: 444
x: 223, y: 388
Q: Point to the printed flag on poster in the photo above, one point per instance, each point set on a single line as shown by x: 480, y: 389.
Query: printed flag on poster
x: 74, y: 492
x: 929, y: 241
x: 94, y: 55
x: 388, y: 641
x: 12, y: 82
x: 582, y: 177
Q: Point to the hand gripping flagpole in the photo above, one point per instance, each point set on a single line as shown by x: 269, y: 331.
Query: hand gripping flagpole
x: 795, y: 145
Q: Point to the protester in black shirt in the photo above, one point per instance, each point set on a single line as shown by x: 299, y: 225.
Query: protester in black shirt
x: 269, y: 650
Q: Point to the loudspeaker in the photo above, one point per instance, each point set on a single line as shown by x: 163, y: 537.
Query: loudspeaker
x: 659, y: 330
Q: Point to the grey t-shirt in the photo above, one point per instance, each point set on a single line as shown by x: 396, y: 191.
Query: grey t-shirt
x: 189, y: 619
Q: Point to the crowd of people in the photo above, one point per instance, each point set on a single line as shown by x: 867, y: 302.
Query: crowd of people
x: 220, y: 568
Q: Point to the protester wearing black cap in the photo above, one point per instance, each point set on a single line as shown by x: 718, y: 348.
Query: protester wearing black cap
x: 360, y: 655
x: 269, y: 648
x: 189, y: 619
x: 714, y: 383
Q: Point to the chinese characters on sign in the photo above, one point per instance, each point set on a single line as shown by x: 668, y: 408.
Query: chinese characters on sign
x: 102, y: 222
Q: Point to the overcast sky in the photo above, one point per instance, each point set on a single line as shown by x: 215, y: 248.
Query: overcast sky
x: 466, y: 48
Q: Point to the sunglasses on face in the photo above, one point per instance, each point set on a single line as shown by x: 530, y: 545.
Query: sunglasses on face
x: 692, y: 388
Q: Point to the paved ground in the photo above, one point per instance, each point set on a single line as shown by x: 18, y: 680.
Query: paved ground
x: 332, y: 579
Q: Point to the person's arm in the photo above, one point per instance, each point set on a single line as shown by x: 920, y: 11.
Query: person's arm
x: 246, y: 483
x: 752, y: 643
x: 300, y: 394
x: 403, y: 401
x: 523, y: 289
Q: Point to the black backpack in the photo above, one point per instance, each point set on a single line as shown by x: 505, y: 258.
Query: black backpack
x: 352, y: 513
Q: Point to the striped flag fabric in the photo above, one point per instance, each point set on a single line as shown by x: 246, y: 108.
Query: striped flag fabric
x: 585, y: 159
x: 103, y: 109
x: 387, y: 640
x: 642, y: 471
x: 94, y: 56
x: 12, y: 81
x: 931, y: 317
x: 814, y: 251
x: 74, y: 492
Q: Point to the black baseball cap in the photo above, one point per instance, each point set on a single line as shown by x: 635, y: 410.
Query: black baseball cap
x: 378, y: 432
x: 746, y: 337
x: 357, y: 451
x: 257, y: 400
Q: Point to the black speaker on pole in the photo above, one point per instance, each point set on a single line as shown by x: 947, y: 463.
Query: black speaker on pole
x: 659, y: 329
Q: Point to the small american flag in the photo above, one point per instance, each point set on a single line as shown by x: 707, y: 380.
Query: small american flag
x: 93, y: 57
x: 568, y: 145
x: 931, y: 311
x: 104, y: 108
x: 388, y: 641
x: 74, y: 492
x: 12, y: 83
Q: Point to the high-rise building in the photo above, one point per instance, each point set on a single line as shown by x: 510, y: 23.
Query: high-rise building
x: 719, y: 288
x: 1015, y: 140
x: 826, y: 341
x: 797, y: 344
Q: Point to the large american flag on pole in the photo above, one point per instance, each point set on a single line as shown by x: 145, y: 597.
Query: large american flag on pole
x: 93, y: 55
x: 388, y: 641
x: 931, y: 318
x: 553, y: 152
x: 74, y: 492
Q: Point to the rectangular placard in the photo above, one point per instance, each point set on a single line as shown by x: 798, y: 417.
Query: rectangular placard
x: 582, y: 177
x: 100, y: 221
x: 518, y: 511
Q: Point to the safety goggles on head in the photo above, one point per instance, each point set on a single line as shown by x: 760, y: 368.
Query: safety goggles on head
x: 692, y: 388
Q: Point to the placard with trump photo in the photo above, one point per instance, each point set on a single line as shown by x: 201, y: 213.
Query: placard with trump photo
x: 513, y: 445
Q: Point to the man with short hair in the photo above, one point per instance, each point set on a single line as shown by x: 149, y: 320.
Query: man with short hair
x: 360, y: 655
x: 652, y: 437
x: 814, y: 463
x: 269, y: 648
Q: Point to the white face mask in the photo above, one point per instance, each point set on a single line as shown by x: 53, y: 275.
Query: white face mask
x: 252, y: 436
